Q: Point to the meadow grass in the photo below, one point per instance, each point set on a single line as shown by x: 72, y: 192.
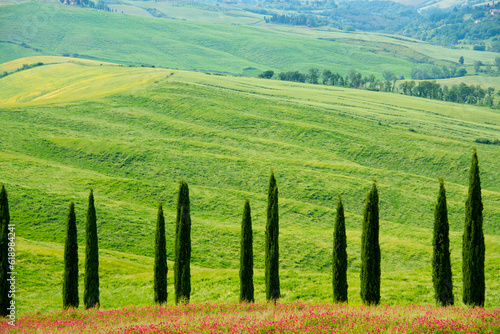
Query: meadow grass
x: 139, y: 136
x: 198, y: 12
x: 69, y: 78
x: 406, y: 46
x: 16, y: 64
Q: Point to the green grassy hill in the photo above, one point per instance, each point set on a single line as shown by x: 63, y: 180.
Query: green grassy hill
x: 52, y: 29
x: 133, y: 137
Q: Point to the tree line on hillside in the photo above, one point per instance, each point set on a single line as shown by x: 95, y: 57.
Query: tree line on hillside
x: 437, y: 72
x: 101, y: 5
x: 454, y: 71
x: 461, y: 93
x: 22, y: 68
x: 473, y: 253
x: 460, y: 24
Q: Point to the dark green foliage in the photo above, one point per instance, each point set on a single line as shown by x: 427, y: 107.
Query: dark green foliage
x: 272, y: 246
x: 339, y: 256
x: 267, y: 74
x: 441, y: 265
x: 91, y: 282
x: 160, y: 268
x: 370, y: 250
x: 473, y: 241
x: 182, y: 271
x: 70, y: 280
x: 246, y: 256
x: 4, y: 250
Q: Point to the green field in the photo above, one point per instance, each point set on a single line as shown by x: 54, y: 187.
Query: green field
x: 384, y: 44
x: 141, y: 130
x: 191, y: 11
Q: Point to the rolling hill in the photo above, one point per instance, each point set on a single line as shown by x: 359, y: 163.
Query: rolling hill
x: 52, y: 29
x: 132, y: 133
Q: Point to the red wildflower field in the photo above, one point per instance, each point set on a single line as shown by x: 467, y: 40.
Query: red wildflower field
x: 263, y: 318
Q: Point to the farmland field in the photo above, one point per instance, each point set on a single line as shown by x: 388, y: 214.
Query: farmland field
x: 133, y: 137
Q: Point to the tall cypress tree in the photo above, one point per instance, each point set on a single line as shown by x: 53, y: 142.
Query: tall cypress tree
x: 473, y: 241
x: 272, y: 247
x: 4, y: 251
x: 91, y: 281
x: 160, y: 268
x: 246, y: 256
x: 370, y: 250
x: 70, y: 282
x: 182, y: 273
x: 339, y: 256
x: 441, y: 264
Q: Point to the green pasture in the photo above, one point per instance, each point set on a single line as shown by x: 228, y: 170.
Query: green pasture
x: 191, y: 11
x: 132, y: 133
x: 412, y: 49
x: 127, y: 279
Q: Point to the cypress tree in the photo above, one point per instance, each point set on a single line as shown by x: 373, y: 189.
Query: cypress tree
x: 473, y: 241
x: 5, y: 298
x: 160, y: 268
x: 272, y: 247
x: 91, y: 281
x: 370, y: 250
x: 441, y: 264
x: 182, y: 273
x: 70, y: 282
x: 246, y: 256
x: 339, y: 256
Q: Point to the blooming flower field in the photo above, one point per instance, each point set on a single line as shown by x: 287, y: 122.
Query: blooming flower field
x: 263, y: 318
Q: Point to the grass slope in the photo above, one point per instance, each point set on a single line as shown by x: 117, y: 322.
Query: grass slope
x: 54, y: 29
x: 192, y: 11
x: 408, y: 48
x: 133, y: 140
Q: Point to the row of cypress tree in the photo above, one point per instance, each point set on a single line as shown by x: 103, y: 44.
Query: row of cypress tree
x: 473, y: 251
x: 473, y: 248
x: 70, y: 279
x: 91, y: 281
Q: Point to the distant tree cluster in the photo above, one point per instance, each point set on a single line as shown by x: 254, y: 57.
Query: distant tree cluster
x: 267, y: 74
x: 297, y: 20
x: 448, y: 27
x: 88, y: 3
x: 437, y: 72
x: 461, y: 93
x: 352, y: 80
x: 469, y: 24
x: 292, y: 76
x: 362, y: 15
